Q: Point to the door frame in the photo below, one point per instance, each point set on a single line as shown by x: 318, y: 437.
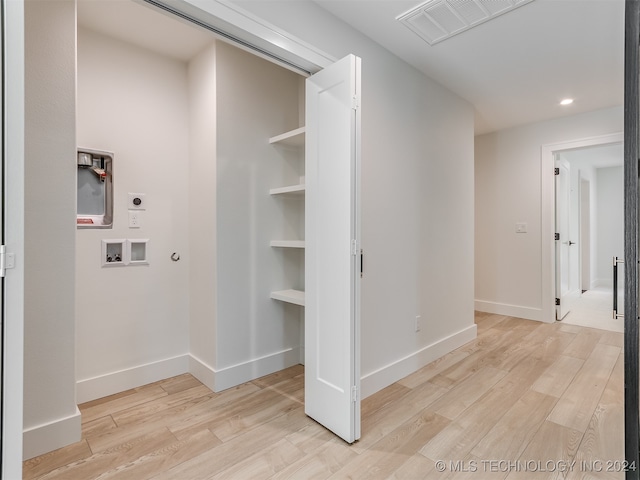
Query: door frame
x: 584, y: 196
x: 13, y: 209
x: 244, y: 30
x: 547, y: 213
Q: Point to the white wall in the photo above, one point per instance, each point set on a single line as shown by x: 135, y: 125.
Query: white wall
x: 508, y: 275
x: 255, y: 101
x: 202, y: 214
x: 238, y: 102
x: 610, y: 212
x: 132, y: 322
x: 417, y: 200
x: 51, y: 418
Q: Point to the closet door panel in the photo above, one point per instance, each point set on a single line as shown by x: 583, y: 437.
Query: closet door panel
x: 332, y: 368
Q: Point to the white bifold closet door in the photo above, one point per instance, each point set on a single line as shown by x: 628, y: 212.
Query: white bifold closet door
x: 332, y: 255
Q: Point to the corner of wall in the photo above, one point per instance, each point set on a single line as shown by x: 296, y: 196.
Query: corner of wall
x: 49, y: 227
x: 52, y: 435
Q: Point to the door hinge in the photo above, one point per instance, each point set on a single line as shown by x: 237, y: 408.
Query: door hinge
x: 557, y: 302
x: 7, y: 260
x: 355, y: 102
x: 354, y: 248
x: 556, y: 171
x: 361, y: 263
x: 354, y: 394
x: 556, y: 236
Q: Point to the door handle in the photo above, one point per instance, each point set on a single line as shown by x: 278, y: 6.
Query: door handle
x: 571, y: 243
x: 616, y: 315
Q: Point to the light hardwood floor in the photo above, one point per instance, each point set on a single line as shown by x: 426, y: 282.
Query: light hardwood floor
x: 525, y: 400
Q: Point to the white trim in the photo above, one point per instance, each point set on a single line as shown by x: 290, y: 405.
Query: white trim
x: 385, y: 376
x: 233, y: 20
x: 547, y: 209
x: 202, y: 371
x: 52, y: 435
x: 13, y: 348
x: 217, y: 380
x: 528, y: 313
x: 250, y: 370
x: 119, y: 381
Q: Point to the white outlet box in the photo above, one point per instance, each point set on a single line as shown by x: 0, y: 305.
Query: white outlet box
x: 138, y: 251
x: 113, y: 252
x: 135, y: 219
x: 521, y: 228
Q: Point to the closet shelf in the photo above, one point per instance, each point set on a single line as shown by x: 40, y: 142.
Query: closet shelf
x: 291, y: 190
x: 287, y: 243
x: 294, y: 138
x: 290, y: 296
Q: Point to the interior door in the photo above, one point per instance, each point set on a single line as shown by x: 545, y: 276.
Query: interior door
x: 631, y: 156
x: 566, y: 250
x: 332, y: 253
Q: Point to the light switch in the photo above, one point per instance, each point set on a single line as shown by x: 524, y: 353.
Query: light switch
x: 521, y: 228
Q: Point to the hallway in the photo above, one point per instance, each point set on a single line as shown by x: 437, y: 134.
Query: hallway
x: 594, y: 309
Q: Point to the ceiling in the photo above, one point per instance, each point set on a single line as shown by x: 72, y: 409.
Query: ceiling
x: 140, y: 25
x: 514, y: 69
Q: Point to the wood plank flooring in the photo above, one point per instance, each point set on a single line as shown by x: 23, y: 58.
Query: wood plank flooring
x: 525, y: 400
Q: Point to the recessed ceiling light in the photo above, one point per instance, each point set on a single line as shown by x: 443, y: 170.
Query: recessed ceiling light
x: 566, y: 101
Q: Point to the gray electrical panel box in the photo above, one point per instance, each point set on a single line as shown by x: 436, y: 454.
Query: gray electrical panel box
x: 95, y: 189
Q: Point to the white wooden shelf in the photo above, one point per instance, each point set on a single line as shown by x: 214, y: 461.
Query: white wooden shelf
x: 294, y: 138
x: 291, y: 190
x: 287, y: 243
x: 290, y: 296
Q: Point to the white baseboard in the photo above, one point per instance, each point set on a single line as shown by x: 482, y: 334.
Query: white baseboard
x: 203, y: 372
x: 528, y: 313
x: 604, y: 282
x: 246, y: 371
x: 51, y: 436
x: 217, y: 380
x: 385, y: 376
x: 116, y: 382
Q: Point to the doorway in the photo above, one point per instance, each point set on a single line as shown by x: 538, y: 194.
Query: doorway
x: 590, y: 203
x: 549, y: 153
x: 244, y: 247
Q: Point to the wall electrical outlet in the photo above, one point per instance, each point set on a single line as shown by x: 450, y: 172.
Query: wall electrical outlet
x: 136, y: 201
x: 135, y: 219
x: 521, y: 228
x: 418, y: 324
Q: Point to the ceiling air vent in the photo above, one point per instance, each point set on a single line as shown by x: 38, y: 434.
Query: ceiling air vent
x: 437, y: 20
